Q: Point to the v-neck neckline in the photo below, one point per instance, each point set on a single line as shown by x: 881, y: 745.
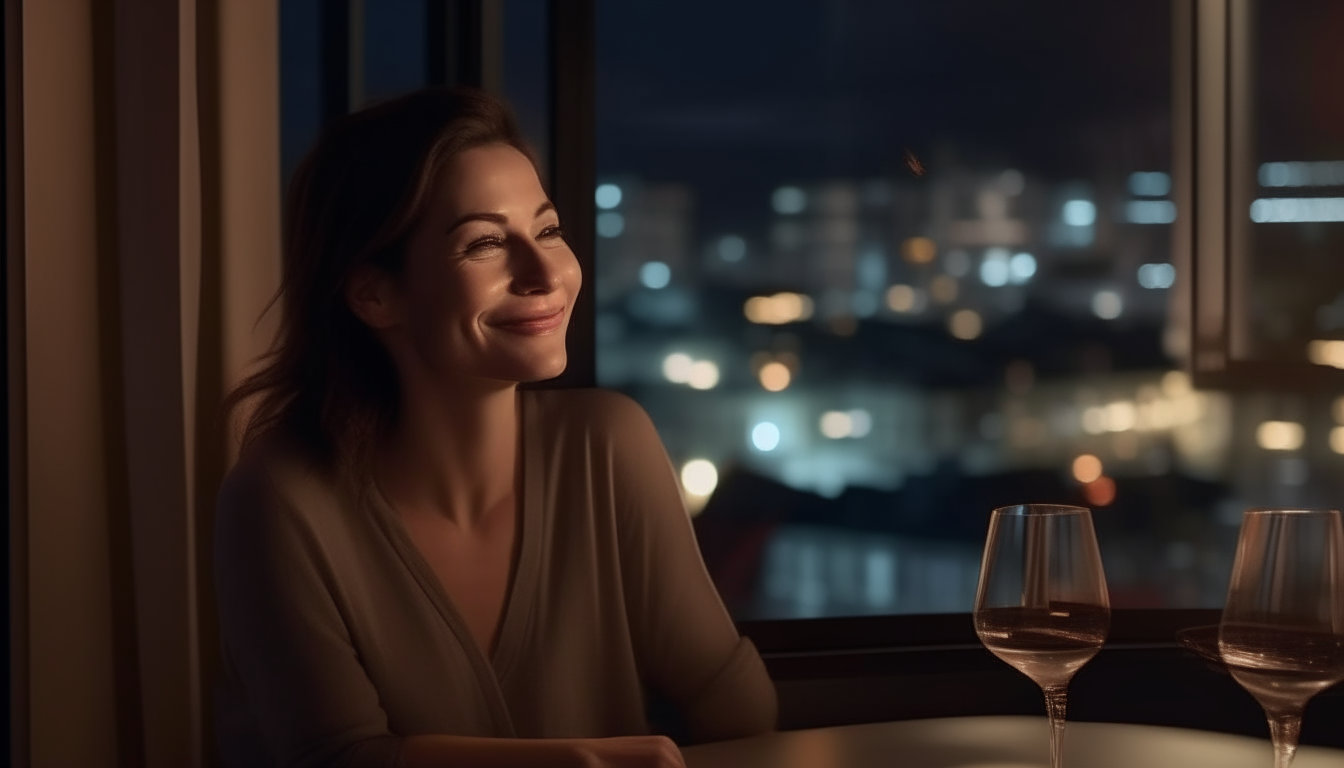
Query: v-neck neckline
x: 492, y: 665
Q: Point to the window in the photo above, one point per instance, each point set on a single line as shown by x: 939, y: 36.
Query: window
x: 875, y: 268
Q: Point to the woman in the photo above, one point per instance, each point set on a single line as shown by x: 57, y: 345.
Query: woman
x: 417, y: 563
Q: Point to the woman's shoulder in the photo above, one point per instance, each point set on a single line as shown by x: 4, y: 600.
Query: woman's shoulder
x: 593, y: 412
x: 274, y: 476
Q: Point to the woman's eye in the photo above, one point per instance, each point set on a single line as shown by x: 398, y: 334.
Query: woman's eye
x: 551, y: 231
x: 484, y: 244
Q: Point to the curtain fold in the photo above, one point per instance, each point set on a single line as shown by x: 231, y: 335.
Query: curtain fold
x: 148, y: 204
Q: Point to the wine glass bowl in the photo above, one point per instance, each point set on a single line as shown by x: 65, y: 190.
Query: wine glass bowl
x: 1042, y: 604
x: 1282, y: 632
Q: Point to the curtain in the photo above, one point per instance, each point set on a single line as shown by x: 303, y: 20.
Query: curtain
x: 143, y: 240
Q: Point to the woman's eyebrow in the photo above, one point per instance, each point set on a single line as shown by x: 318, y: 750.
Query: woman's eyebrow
x: 496, y: 218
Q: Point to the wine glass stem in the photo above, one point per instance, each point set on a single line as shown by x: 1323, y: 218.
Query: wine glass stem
x: 1056, y: 702
x: 1284, y: 729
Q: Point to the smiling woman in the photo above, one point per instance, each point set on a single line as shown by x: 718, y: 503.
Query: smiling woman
x: 418, y: 564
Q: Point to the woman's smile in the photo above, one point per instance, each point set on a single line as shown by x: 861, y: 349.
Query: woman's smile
x: 533, y: 323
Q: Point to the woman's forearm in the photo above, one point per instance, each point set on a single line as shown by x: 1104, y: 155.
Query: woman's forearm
x: 478, y: 752
x: 473, y: 751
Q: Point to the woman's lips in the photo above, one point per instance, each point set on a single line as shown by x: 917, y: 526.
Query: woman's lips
x: 536, y: 325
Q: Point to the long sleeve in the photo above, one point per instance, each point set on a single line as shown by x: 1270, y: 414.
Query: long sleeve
x: 284, y: 638
x: 687, y: 645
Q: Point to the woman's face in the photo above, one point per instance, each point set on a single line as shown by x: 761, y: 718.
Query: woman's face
x: 489, y: 282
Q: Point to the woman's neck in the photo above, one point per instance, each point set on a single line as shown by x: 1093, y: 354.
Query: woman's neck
x: 452, y: 453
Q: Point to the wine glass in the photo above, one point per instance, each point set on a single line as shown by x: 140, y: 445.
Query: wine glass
x: 1282, y: 632
x: 1042, y: 604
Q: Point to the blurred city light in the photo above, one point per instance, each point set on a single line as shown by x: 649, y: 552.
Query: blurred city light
x: 788, y: 200
x: 901, y: 298
x: 872, y: 269
x: 1020, y: 268
x: 1337, y: 439
x: 965, y: 324
x: 864, y: 303
x: 765, y: 436
x: 610, y: 224
x: 1279, y: 435
x: 1011, y: 182
x: 704, y: 374
x: 860, y: 422
x: 1120, y: 416
x: 1156, y: 276
x: 655, y: 275
x: 836, y: 424
x: 942, y: 288
x: 1328, y: 173
x: 732, y: 248
x: 1100, y: 492
x: 1329, y: 353
x: 918, y: 250
x: 608, y: 196
x: 775, y: 377
x: 1086, y: 468
x: 1107, y: 305
x: 1094, y: 420
x: 1274, y: 210
x: 957, y: 263
x: 677, y: 367
x: 1175, y: 383
x: 699, y: 477
x: 1150, y: 212
x: 1079, y: 213
x: 994, y: 267
x: 1149, y: 183
x: 778, y: 309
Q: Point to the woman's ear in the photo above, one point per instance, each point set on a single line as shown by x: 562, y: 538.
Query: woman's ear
x: 371, y: 295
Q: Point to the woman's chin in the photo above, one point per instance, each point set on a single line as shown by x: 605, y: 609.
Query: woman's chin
x: 528, y: 371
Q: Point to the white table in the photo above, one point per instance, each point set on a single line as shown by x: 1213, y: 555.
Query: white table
x: 998, y: 742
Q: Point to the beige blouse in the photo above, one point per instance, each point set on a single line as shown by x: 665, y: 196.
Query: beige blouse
x: 339, y: 640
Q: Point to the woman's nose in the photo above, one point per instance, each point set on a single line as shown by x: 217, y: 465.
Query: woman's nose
x: 538, y: 269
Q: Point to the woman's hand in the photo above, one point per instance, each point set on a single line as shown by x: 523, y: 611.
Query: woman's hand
x: 629, y: 752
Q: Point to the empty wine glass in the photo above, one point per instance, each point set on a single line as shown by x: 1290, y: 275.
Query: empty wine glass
x: 1042, y: 604
x: 1282, y: 632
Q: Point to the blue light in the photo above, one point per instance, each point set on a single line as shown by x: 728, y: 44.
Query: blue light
x: 655, y: 275
x: 1271, y: 210
x: 1149, y: 183
x: 1080, y: 213
x: 765, y: 436
x: 732, y: 248
x: 610, y: 224
x: 994, y: 269
x: 1299, y: 174
x: 1021, y: 268
x: 788, y: 200
x: 608, y: 196
x: 1157, y: 276
x: 1150, y: 211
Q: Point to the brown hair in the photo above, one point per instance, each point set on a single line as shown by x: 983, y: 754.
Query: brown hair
x: 327, y: 381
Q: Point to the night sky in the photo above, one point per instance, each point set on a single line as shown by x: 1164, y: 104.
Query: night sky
x: 731, y: 95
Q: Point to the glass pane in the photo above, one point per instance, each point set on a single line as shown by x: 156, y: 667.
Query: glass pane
x: 875, y: 268
x: 1298, y: 214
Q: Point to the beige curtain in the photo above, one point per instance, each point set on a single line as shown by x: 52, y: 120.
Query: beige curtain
x: 142, y: 243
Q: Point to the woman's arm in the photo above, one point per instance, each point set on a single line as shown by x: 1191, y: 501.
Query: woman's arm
x: 688, y: 647
x: 473, y: 752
